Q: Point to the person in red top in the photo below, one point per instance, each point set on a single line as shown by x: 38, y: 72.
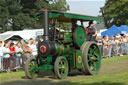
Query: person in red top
x: 12, y: 55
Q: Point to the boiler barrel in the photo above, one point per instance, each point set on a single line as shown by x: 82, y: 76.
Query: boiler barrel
x: 48, y: 48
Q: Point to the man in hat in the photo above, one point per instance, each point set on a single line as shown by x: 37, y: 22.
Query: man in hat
x: 92, y: 32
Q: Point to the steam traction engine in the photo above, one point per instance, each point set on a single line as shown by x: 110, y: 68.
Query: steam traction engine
x: 63, y: 51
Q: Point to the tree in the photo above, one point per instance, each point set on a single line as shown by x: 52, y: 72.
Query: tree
x: 59, y: 5
x: 19, y: 14
x: 3, y: 14
x: 115, y: 12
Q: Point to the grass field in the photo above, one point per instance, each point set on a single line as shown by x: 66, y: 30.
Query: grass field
x: 114, y: 71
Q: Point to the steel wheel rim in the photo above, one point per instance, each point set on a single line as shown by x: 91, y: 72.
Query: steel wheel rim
x: 94, y: 59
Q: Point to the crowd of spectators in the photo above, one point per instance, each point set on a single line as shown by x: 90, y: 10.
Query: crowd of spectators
x: 13, y: 54
x: 114, y: 45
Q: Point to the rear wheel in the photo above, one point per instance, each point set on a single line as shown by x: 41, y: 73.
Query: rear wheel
x: 61, y: 67
x: 31, y: 66
x: 91, y: 58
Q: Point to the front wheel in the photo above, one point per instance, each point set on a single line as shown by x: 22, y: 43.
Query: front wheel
x: 61, y: 67
x: 31, y: 66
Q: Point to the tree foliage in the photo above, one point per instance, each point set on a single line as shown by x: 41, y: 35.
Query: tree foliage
x: 19, y: 14
x: 116, y: 12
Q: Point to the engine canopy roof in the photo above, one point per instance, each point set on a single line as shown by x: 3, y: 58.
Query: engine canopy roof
x: 68, y: 17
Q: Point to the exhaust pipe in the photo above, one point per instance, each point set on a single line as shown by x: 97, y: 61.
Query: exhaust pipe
x: 46, y: 23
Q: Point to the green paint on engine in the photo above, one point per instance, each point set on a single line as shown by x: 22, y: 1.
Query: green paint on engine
x: 67, y: 37
x: 45, y: 67
x: 49, y: 59
x: 80, y: 36
x: 79, y: 59
x: 62, y: 49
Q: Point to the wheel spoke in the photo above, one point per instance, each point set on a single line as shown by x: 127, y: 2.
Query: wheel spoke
x: 89, y: 61
x: 89, y: 57
x: 94, y: 48
x: 96, y: 55
x: 90, y: 51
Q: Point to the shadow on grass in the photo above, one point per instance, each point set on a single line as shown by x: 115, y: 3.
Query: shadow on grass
x: 58, y: 82
x: 51, y: 75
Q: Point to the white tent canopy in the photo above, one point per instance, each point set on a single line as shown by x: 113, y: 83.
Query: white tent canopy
x: 24, y: 34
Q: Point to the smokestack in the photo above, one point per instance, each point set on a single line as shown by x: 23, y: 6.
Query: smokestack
x: 46, y: 23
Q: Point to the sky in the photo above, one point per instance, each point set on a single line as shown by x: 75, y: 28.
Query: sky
x: 87, y: 7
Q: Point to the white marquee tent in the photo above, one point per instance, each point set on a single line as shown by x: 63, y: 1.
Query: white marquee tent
x: 24, y: 34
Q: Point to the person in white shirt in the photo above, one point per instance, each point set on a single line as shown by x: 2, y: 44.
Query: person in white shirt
x: 118, y: 36
x: 34, y: 48
x: 1, y: 55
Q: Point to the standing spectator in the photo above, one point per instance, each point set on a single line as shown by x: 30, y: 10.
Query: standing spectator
x: 1, y: 55
x: 22, y: 43
x: 106, y: 50
x: 6, y: 56
x: 127, y: 45
x: 123, y: 45
x: 34, y: 48
x: 118, y: 36
x: 92, y: 32
x: 18, y: 53
x: 30, y: 43
x: 41, y: 38
x: 27, y: 52
x: 117, y: 42
x: 107, y: 37
x: 111, y: 43
x: 9, y: 42
x: 12, y: 55
x: 100, y: 44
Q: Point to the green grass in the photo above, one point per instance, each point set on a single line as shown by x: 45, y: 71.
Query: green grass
x: 12, y: 75
x: 119, y: 77
x: 105, y: 79
x: 117, y: 58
